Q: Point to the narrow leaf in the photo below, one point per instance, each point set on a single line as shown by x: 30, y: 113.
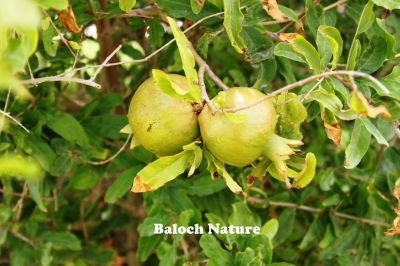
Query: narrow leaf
x: 374, y: 131
x: 233, y: 19
x: 188, y: 62
x: 359, y: 144
x: 333, y: 38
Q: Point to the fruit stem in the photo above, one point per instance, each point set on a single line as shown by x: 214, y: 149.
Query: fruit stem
x: 204, y: 94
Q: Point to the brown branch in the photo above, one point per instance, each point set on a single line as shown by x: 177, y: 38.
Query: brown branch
x: 114, y: 156
x: 61, y: 78
x: 320, y: 211
x: 207, y: 68
x: 204, y: 95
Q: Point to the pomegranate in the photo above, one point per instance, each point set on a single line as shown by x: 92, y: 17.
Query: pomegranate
x: 238, y: 138
x: 159, y: 122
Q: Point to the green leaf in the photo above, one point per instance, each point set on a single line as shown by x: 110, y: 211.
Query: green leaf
x: 85, y: 177
x: 167, y: 168
x: 332, y: 37
x: 290, y: 14
x: 315, y: 230
x: 166, y: 85
x: 233, y: 19
x: 197, y: 5
x: 55, y: 4
x: 214, y: 251
x: 306, y: 175
x: 366, y: 20
x: 35, y: 192
x: 374, y: 56
x: 388, y: 4
x: 188, y: 62
x: 68, y: 127
x: 42, y: 152
x: 374, y: 131
x: 242, y: 258
x: 146, y: 228
x: 61, y: 240
x: 50, y: 46
x: 312, y: 16
x: 287, y: 218
x: 166, y: 253
x: 285, y: 49
x: 217, y: 167
x: 292, y: 114
x: 355, y: 51
x: 331, y: 102
x: 390, y: 39
x: 346, y: 240
x: 146, y: 246
x: 303, y: 47
x: 121, y: 185
x: 392, y: 82
x: 358, y: 146
x: 259, y: 46
x: 242, y: 215
x: 270, y: 228
x: 126, y: 5
x: 14, y: 165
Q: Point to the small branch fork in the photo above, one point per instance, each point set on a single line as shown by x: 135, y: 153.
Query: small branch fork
x: 204, y: 95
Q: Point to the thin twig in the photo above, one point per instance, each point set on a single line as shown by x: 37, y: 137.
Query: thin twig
x: 311, y: 78
x: 105, y: 62
x: 204, y: 95
x: 114, y: 156
x: 147, y: 58
x: 209, y: 71
x: 17, y: 234
x: 338, y: 3
x: 319, y: 211
x: 59, y: 33
x: 15, y: 120
x: 5, y: 109
x: 61, y: 78
x: 16, y: 194
x: 20, y: 203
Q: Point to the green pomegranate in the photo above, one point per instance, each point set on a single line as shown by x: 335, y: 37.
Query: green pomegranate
x: 161, y: 123
x: 238, y: 138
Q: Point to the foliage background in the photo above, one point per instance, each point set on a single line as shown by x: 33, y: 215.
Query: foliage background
x: 81, y: 213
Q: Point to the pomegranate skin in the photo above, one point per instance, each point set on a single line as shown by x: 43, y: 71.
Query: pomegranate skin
x: 161, y: 123
x: 240, y: 140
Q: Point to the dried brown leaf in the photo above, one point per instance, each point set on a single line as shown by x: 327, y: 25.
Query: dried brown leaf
x: 272, y: 8
x: 334, y: 133
x: 139, y: 186
x: 396, y: 223
x: 361, y: 105
x: 67, y: 18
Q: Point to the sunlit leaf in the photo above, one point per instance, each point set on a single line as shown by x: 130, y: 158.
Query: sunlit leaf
x: 126, y: 5
x: 188, y: 62
x: 233, y: 19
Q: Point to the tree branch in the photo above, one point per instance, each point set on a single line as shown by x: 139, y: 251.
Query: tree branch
x: 309, y: 79
x: 319, y: 211
x: 204, y: 95
x: 207, y: 68
x: 61, y: 78
x: 114, y: 156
